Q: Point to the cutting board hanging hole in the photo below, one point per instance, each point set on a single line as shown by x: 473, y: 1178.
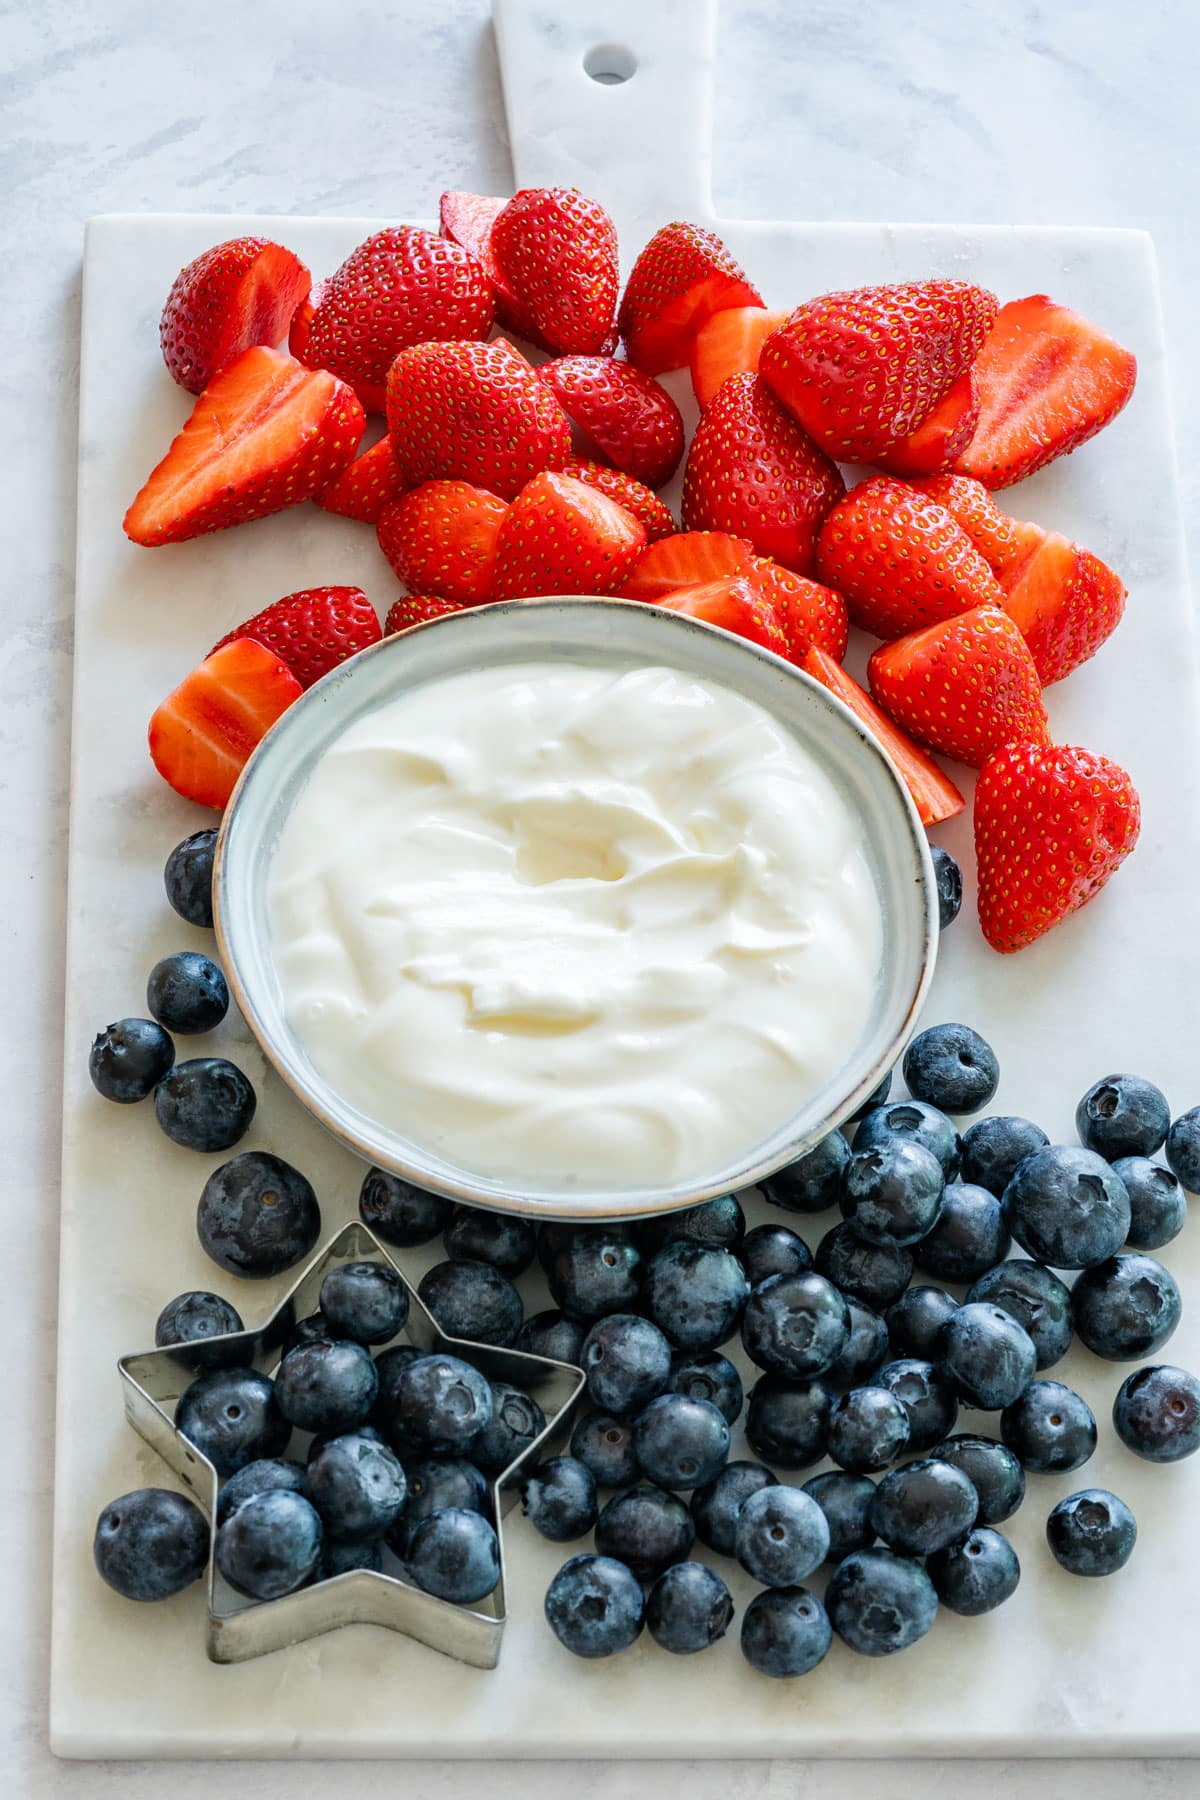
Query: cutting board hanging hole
x: 610, y: 64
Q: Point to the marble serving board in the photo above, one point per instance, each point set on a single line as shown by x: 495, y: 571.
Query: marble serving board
x: 1067, y: 1666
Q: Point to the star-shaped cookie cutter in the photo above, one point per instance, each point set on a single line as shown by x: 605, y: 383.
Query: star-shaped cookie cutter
x: 239, y: 1629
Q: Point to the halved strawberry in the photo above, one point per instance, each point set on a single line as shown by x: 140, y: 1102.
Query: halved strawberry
x: 312, y: 631
x: 557, y: 250
x: 964, y: 687
x: 236, y: 294
x: 933, y: 793
x: 365, y: 486
x: 1066, y: 602
x: 202, y: 734
x: 730, y: 343
x: 653, y: 514
x: 1052, y: 824
x: 752, y: 471
x: 266, y: 433
x: 682, y: 277
x: 1004, y: 543
x: 864, y: 368
x: 467, y: 220
x: 560, y: 536
x: 628, y: 417
x: 736, y: 605
x: 900, y: 560
x: 300, y: 328
x: 687, y: 560
x: 1048, y: 380
x: 440, y: 538
x: 809, y: 613
x: 418, y: 609
x: 947, y: 431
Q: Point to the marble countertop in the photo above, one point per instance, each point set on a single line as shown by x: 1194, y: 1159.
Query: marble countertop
x: 951, y: 111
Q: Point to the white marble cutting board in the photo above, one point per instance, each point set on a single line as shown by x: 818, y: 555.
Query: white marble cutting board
x: 1066, y: 1667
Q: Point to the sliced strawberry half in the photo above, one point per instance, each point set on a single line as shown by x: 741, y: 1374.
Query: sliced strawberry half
x: 683, y: 276
x: 1003, y: 542
x: 560, y: 536
x: 1065, y: 602
x: 236, y: 294
x: 557, y: 250
x: 933, y: 793
x: 809, y: 613
x: 687, y: 560
x: 368, y: 484
x: 312, y: 631
x: 653, y: 513
x: 730, y: 343
x: 467, y: 220
x: 418, y: 609
x: 628, y: 417
x: 441, y: 538
x: 735, y: 604
x: 946, y: 432
x: 300, y: 328
x: 202, y: 735
x: 964, y: 687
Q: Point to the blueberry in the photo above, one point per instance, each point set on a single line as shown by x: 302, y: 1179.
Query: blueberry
x: 127, y: 1061
x: 868, y: 1429
x: 505, y: 1240
x: 647, y: 1529
x: 1050, y: 1427
x: 320, y: 1439
x: 865, y: 1349
x: 707, y: 1375
x: 926, y: 1125
x: 559, y: 1498
x: 552, y: 1334
x: 987, y: 1355
x: 188, y: 875
x: 695, y: 1295
x: 555, y: 1236
x: 435, y: 1484
x: 786, y: 1420
x: 688, y: 1608
x: 1183, y: 1149
x: 441, y: 1406
x: 1158, y: 1206
x: 785, y: 1632
x: 874, y: 1099
x: 879, y: 1602
x: 312, y: 1329
x: 270, y: 1545
x: 993, y: 1147
x: 340, y: 1558
x: 204, y: 1104
x: 604, y: 1444
x: 187, y: 993
x: 473, y: 1300
x: 327, y: 1387
x: 927, y: 1396
x: 1157, y: 1413
x: 811, y: 1184
x: 1091, y: 1533
x: 259, y: 1477
x: 233, y: 1417
x: 719, y: 1223
x: 916, y: 1318
x: 594, y: 1606
x: 151, y: 1544
x: 400, y: 1213
x: 1067, y: 1207
x: 595, y: 1271
x: 993, y: 1471
x: 627, y: 1361
x: 948, y: 878
x: 366, y: 1301
x: 773, y: 1250
x: 795, y: 1325
x: 976, y: 1575
x: 192, y: 1319
x: 924, y: 1506
x: 891, y: 1192
x: 951, y: 1067
x: 1123, y: 1115
x: 680, y: 1442
x: 968, y: 1236
x: 257, y: 1215
x: 780, y: 1535
x: 455, y: 1554
x: 715, y: 1507
x: 846, y: 1502
x: 517, y: 1420
x: 872, y: 1274
x: 357, y: 1486
x: 1126, y: 1307
x: 1036, y: 1299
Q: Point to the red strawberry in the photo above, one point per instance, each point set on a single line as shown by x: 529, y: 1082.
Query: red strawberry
x: 736, y: 605
x: 629, y: 417
x: 440, y: 538
x: 467, y: 220
x: 730, y: 343
x: 266, y: 433
x: 312, y: 631
x: 1048, y: 380
x: 1066, y: 602
x: 809, y: 613
x: 1004, y: 543
x: 864, y: 368
x: 964, y: 687
x: 682, y: 277
x: 688, y: 559
x: 900, y: 560
x: 557, y: 250
x: 654, y: 515
x: 418, y: 609
x: 933, y: 793
x: 560, y: 536
x: 753, y: 472
x: 237, y: 294
x: 947, y: 431
x: 1052, y: 823
x: 202, y: 734
x: 473, y: 412
x: 365, y: 486
x: 300, y: 328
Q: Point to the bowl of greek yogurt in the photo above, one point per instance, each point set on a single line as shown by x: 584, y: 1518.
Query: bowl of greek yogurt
x: 577, y: 908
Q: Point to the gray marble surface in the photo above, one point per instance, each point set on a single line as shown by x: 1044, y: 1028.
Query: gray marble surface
x: 963, y: 110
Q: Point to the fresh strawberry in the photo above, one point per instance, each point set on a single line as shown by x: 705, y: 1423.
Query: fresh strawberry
x: 682, y: 277
x: 809, y: 613
x: 557, y: 250
x: 933, y: 793
x: 202, y: 734
x: 312, y: 631
x: 237, y: 294
x: 653, y: 513
x: 1003, y: 543
x: 1048, y: 380
x: 266, y: 433
x: 736, y: 605
x: 688, y: 559
x: 300, y: 328
x: 1065, y: 602
x: 440, y: 538
x: 473, y: 412
x: 467, y: 220
x: 560, y: 536
x: 964, y: 687
x: 368, y: 484
x: 730, y: 343
x: 947, y: 431
x: 418, y: 609
x: 864, y: 368
x: 753, y: 472
x: 900, y: 560
x: 1052, y: 823
x: 628, y: 417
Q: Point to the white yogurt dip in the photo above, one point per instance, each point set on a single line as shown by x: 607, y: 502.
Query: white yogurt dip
x: 572, y: 925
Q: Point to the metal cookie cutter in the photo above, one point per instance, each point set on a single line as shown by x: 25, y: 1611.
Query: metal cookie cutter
x: 239, y: 1629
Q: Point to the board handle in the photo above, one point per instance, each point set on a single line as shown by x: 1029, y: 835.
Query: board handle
x: 613, y: 97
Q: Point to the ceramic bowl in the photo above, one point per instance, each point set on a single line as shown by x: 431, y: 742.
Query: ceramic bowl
x: 629, y: 633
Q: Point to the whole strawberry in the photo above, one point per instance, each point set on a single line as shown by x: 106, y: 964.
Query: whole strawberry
x: 557, y: 250
x: 963, y: 687
x: 645, y: 505
x: 684, y: 275
x: 561, y: 537
x: 312, y: 631
x: 441, y: 537
x: 417, y: 609
x: 231, y: 296
x: 473, y: 412
x: 629, y: 417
